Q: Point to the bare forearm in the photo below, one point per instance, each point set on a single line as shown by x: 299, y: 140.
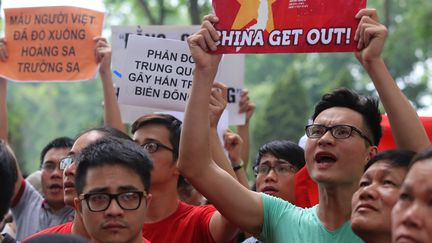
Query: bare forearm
x: 243, y: 131
x: 407, y: 129
x: 195, y: 144
x: 112, y: 116
x: 218, y: 153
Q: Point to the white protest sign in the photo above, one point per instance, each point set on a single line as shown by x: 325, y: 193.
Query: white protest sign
x: 158, y: 73
x: 231, y: 70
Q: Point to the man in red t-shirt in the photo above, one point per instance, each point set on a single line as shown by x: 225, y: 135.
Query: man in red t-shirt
x: 168, y: 219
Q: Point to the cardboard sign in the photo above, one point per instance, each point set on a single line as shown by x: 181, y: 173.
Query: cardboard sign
x: 51, y: 43
x: 231, y: 70
x: 288, y: 26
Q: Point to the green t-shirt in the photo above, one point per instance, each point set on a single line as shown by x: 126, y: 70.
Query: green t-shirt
x: 285, y: 223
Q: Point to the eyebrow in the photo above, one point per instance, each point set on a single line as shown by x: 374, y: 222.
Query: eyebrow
x: 148, y: 140
x: 278, y: 161
x: 125, y: 188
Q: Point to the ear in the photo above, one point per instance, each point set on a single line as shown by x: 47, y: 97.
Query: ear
x: 148, y: 199
x: 78, y: 206
x: 373, y: 150
x: 176, y: 170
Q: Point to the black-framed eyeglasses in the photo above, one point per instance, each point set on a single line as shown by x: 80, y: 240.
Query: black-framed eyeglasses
x: 100, y: 201
x: 66, y: 161
x: 337, y: 131
x: 152, y: 147
x: 280, y: 168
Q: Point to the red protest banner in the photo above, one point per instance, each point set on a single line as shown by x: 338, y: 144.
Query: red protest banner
x: 287, y: 26
x: 51, y: 43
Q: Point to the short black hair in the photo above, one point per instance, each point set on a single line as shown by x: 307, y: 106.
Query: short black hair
x: 113, y: 151
x: 365, y: 105
x: 394, y: 157
x: 170, y: 122
x: 60, y: 142
x: 283, y: 149
x: 8, y: 177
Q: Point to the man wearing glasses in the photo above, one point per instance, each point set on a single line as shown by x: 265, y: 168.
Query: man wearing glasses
x: 168, y: 219
x: 112, y: 183
x: 343, y: 137
x: 34, y: 212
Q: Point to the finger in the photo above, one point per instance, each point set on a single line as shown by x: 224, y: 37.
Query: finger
x: 369, y: 33
x: 223, y: 89
x: 200, y: 39
x: 213, y: 100
x: 210, y: 42
x: 211, y: 18
x: 371, y: 12
x: 212, y: 30
x: 100, y: 38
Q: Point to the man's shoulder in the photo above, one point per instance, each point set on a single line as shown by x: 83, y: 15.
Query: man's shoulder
x: 193, y: 210
x: 65, y: 228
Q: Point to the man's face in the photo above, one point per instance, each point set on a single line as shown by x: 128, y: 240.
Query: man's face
x: 164, y: 167
x: 373, y: 202
x: 51, y: 178
x: 411, y: 216
x: 69, y: 172
x: 335, y: 161
x: 114, y: 224
x: 279, y: 181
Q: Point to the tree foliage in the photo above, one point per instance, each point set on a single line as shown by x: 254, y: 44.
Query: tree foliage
x: 285, y: 114
x: 284, y: 86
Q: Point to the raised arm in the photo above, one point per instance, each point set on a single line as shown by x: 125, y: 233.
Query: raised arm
x: 217, y: 105
x: 112, y: 116
x: 235, y: 202
x: 407, y: 129
x: 248, y: 107
x: 233, y: 144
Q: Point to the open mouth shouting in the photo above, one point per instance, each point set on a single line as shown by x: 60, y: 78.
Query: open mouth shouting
x: 325, y: 160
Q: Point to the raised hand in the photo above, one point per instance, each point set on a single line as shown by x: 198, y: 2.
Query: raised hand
x: 371, y: 35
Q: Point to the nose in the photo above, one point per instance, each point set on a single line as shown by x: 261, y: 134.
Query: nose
x: 70, y: 170
x: 368, y: 192
x: 412, y: 217
x: 57, y: 173
x: 114, y: 209
x: 327, y: 138
x: 271, y: 175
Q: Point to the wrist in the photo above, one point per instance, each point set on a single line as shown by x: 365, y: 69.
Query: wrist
x: 237, y: 165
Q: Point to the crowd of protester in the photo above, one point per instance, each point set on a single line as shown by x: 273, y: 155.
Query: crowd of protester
x: 176, y: 181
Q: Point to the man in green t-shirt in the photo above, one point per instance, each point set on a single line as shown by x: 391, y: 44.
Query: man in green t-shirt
x: 343, y: 137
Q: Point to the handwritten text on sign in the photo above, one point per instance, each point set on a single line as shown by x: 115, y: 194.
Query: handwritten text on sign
x: 51, y: 43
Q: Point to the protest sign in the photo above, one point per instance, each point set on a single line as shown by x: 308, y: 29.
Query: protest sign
x: 231, y: 70
x: 288, y: 26
x: 51, y: 43
x: 157, y: 75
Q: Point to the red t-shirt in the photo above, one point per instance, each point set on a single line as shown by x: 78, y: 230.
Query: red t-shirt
x: 61, y: 229
x: 187, y: 224
x: 65, y: 228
